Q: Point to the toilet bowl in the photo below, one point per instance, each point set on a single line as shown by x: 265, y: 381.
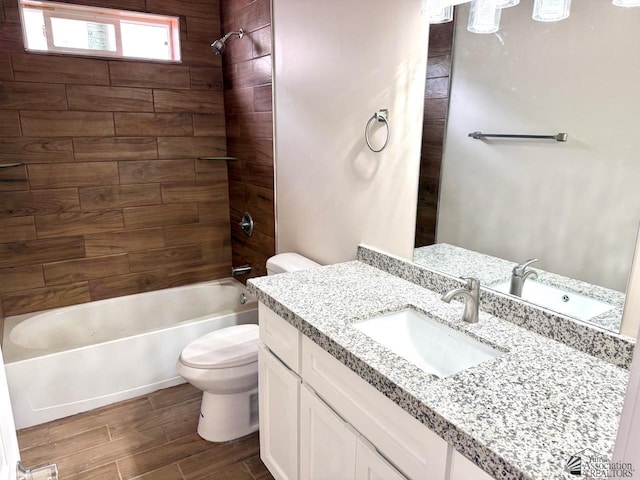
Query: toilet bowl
x: 224, y: 365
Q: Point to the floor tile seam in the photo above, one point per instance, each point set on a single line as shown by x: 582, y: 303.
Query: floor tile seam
x: 109, y: 416
x: 113, y: 429
x: 107, y: 410
x: 22, y: 449
x: 75, y: 476
x: 137, y: 477
x: 246, y: 467
x: 53, y: 459
x: 233, y: 455
x: 112, y: 459
x: 128, y: 456
x: 160, y: 405
x: 159, y: 446
x: 59, y: 437
x: 92, y: 467
x: 180, y: 470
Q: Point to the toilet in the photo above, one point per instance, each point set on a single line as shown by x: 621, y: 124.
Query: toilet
x: 224, y: 365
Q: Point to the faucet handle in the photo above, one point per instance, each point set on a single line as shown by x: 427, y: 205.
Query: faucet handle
x: 472, y: 283
x: 519, y: 269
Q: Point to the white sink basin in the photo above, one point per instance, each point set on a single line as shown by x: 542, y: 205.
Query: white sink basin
x: 427, y: 343
x: 558, y: 300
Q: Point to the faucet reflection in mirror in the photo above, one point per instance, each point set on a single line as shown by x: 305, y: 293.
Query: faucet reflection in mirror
x: 519, y: 274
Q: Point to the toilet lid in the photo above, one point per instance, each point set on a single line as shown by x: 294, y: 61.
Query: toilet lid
x: 227, y: 347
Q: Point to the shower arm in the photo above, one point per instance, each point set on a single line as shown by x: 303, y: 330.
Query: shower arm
x: 240, y: 34
x: 219, y: 45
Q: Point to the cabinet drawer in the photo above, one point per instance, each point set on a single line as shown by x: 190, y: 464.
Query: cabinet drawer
x: 282, y: 338
x: 404, y: 441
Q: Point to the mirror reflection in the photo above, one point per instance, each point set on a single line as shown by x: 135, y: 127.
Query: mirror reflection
x: 572, y: 205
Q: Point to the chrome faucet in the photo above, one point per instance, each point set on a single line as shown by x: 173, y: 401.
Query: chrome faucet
x: 471, y: 295
x: 519, y: 274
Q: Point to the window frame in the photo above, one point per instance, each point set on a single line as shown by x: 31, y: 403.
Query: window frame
x: 105, y: 16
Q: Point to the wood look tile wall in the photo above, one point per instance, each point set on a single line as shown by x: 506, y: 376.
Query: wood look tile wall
x: 110, y: 198
x: 436, y: 102
x: 247, y: 96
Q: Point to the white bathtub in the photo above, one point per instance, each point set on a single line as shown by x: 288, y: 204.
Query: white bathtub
x: 72, y: 359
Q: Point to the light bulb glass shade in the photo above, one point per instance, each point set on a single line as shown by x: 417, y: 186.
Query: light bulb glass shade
x: 626, y: 3
x: 551, y: 10
x: 508, y: 3
x: 441, y: 15
x: 484, y: 16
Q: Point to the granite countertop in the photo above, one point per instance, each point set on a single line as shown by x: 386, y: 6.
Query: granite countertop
x: 521, y: 415
x: 491, y: 270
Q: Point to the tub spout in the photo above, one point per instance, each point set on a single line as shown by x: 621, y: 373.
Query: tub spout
x: 242, y: 270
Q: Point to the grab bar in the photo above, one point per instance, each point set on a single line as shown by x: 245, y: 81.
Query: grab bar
x: 242, y: 270
x: 9, y: 165
x: 381, y: 116
x: 560, y: 137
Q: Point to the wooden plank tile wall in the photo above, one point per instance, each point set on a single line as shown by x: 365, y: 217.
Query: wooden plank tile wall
x: 436, y: 102
x: 110, y: 199
x: 247, y: 96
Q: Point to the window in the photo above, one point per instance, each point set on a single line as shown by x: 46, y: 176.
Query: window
x: 77, y: 29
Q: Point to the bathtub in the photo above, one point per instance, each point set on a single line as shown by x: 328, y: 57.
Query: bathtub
x: 68, y: 360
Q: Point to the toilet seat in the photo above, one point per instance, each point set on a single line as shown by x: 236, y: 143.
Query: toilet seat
x: 225, y: 348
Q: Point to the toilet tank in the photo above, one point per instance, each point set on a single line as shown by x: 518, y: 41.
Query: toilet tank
x: 289, y: 262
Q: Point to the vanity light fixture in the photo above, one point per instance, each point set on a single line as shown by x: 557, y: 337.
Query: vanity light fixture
x: 626, y: 3
x: 551, y: 10
x: 484, y: 16
x: 441, y: 15
x: 437, y: 11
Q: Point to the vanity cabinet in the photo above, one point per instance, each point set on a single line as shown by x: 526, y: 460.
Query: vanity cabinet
x: 278, y: 402
x: 319, y: 420
x: 327, y: 443
x: 330, y: 448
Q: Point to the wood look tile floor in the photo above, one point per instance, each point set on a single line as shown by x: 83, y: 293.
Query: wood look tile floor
x: 152, y: 437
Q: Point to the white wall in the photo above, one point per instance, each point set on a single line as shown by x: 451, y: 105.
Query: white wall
x: 574, y: 205
x: 336, y: 63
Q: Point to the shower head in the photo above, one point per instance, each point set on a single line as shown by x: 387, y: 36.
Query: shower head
x: 218, y: 46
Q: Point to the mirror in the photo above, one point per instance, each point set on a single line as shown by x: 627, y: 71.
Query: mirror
x: 574, y: 205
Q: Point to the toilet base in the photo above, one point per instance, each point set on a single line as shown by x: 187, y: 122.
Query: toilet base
x: 226, y: 417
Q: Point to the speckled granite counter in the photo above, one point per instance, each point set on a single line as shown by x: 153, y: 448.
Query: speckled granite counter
x: 491, y: 270
x: 521, y: 415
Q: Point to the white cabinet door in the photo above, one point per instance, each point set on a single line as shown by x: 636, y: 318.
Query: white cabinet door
x: 9, y: 453
x: 463, y: 469
x: 327, y: 443
x: 371, y: 466
x: 278, y: 397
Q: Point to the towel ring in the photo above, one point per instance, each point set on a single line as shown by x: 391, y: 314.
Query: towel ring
x: 381, y: 116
